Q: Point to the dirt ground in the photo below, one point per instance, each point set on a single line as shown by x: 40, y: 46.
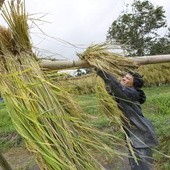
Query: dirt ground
x: 21, y: 159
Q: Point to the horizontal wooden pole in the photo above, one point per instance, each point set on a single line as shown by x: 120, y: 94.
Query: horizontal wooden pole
x: 144, y: 60
x: 154, y: 59
x: 60, y: 64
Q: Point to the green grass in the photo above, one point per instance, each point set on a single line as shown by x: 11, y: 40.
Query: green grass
x: 8, y: 135
x: 156, y: 108
x: 158, y: 100
x: 90, y: 106
x: 5, y: 120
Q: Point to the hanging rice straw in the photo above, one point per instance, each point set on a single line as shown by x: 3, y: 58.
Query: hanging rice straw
x: 52, y: 124
x: 109, y: 106
x: 101, y: 57
x: 110, y: 109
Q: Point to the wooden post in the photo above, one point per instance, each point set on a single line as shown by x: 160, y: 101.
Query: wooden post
x: 52, y: 65
x: 57, y: 64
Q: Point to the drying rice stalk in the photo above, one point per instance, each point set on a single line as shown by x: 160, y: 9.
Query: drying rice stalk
x: 100, y: 57
x: 52, y: 124
x: 109, y: 106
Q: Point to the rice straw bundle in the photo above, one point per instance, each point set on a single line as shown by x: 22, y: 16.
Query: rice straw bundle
x: 100, y: 57
x: 6, y: 39
x: 117, y: 118
x: 48, y: 120
x: 109, y: 106
x: 52, y: 125
x: 16, y: 18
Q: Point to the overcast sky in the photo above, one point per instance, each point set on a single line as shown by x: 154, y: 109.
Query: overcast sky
x: 78, y: 22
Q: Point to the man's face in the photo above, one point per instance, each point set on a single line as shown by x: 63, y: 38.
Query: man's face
x: 127, y: 80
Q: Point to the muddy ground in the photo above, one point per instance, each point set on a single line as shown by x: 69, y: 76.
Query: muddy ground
x: 21, y: 159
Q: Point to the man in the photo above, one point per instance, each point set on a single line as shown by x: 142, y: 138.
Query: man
x: 129, y: 96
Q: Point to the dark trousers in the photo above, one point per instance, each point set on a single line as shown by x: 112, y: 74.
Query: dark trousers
x: 144, y: 159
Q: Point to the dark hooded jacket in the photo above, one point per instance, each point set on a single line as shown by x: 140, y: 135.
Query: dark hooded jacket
x: 140, y: 130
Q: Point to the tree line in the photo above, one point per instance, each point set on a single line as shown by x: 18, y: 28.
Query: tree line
x: 137, y: 30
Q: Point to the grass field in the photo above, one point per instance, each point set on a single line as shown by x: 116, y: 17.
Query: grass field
x: 157, y: 109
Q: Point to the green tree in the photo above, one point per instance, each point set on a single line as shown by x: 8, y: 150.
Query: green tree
x: 136, y: 29
x: 161, y: 45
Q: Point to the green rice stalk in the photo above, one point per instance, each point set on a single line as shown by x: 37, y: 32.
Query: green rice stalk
x: 53, y: 126
x: 50, y: 122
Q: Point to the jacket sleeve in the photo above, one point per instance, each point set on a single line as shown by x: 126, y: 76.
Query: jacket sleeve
x: 117, y: 89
